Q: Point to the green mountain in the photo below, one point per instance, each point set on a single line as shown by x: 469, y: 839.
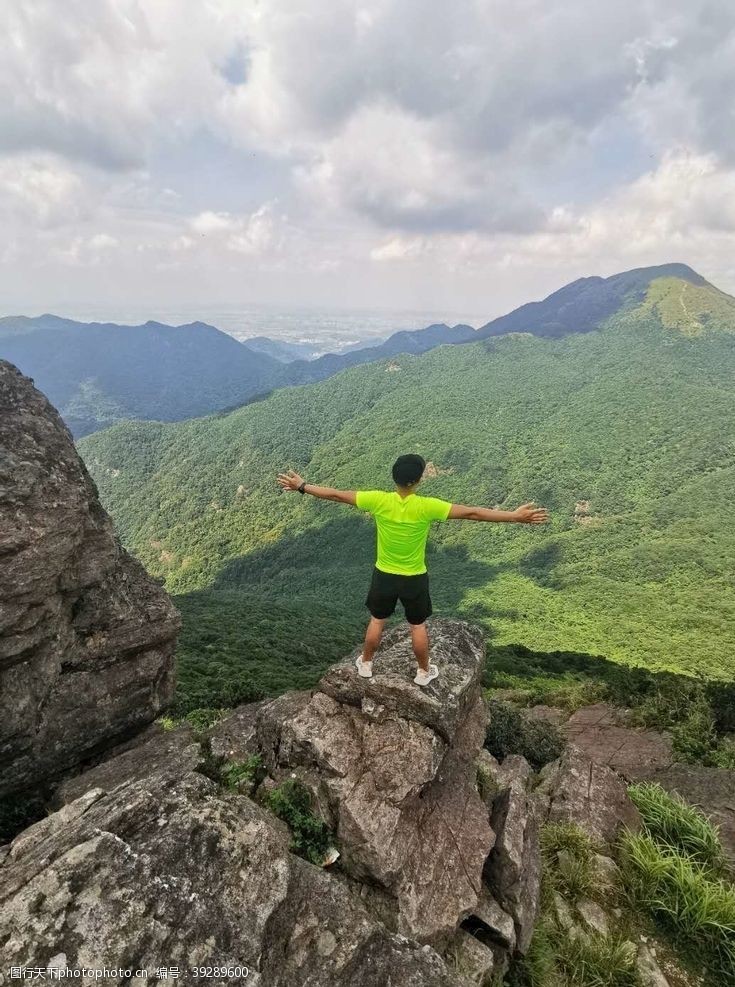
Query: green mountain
x: 588, y: 303
x: 99, y: 373
x: 416, y: 341
x: 624, y: 432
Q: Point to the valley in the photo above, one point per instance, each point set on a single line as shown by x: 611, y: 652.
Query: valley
x: 624, y: 432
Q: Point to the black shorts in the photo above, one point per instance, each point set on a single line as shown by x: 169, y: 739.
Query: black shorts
x: 386, y: 588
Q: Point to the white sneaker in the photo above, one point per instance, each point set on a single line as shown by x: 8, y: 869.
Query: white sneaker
x: 364, y: 668
x: 423, y: 678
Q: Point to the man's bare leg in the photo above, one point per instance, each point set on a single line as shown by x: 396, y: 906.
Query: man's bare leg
x: 372, y: 639
x: 420, y: 642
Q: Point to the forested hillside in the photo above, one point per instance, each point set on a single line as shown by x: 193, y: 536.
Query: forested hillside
x: 99, y: 373
x: 418, y: 341
x: 626, y: 434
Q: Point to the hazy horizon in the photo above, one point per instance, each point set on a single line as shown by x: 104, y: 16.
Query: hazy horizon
x: 332, y: 328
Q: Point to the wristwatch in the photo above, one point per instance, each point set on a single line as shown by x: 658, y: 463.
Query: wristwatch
x: 302, y: 489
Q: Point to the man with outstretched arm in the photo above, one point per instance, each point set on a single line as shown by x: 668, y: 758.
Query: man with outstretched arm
x: 402, y: 519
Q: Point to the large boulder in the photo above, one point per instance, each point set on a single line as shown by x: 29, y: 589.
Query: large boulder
x: 174, y: 873
x: 459, y: 650
x: 396, y: 766
x: 149, y: 862
x: 602, y: 732
x: 576, y: 789
x: 86, y: 636
x: 218, y: 881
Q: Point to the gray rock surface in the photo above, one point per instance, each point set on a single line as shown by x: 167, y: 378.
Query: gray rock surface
x: 163, y: 872
x: 602, y: 733
x: 606, y: 871
x: 593, y: 916
x: 235, y: 736
x: 149, y: 859
x: 649, y: 971
x: 513, y: 868
x: 576, y: 789
x: 474, y: 959
x: 441, y: 704
x: 397, y: 763
x: 86, y: 636
x: 499, y: 923
x: 562, y: 912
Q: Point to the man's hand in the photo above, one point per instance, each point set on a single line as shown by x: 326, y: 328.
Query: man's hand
x: 290, y: 480
x: 528, y: 514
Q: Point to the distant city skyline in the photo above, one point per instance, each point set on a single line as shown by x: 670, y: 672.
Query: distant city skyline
x: 195, y: 156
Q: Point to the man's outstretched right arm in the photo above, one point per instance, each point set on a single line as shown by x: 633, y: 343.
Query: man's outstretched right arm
x: 525, y: 514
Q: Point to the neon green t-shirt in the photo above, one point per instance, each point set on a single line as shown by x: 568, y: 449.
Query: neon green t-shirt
x: 403, y: 527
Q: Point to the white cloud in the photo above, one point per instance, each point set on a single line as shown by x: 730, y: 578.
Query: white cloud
x: 684, y: 209
x: 211, y: 222
x: 40, y: 190
x: 398, y: 248
x: 398, y: 171
x: 476, y: 149
x: 102, y: 241
x: 104, y: 82
x: 255, y: 233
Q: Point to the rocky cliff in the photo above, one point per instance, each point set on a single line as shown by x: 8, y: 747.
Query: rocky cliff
x: 151, y: 863
x: 171, y: 853
x: 86, y: 636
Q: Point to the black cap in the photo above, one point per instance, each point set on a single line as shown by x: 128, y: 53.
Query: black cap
x: 408, y: 470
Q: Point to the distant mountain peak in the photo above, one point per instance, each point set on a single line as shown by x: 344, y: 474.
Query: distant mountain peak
x: 587, y: 303
x: 98, y: 372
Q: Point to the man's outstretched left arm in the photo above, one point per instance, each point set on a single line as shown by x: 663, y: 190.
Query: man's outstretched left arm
x: 292, y: 481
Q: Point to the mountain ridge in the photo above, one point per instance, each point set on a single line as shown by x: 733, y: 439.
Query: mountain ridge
x: 99, y: 373
x: 584, y: 304
x: 405, y: 341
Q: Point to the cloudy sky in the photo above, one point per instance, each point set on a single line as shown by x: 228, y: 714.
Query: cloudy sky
x: 463, y: 156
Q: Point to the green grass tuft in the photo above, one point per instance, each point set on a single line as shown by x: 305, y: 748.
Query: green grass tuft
x: 671, y: 821
x: 587, y: 960
x: 567, y: 854
x: 242, y: 775
x: 594, y: 960
x: 487, y: 787
x: 566, y: 836
x: 685, y: 898
x: 539, y: 968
